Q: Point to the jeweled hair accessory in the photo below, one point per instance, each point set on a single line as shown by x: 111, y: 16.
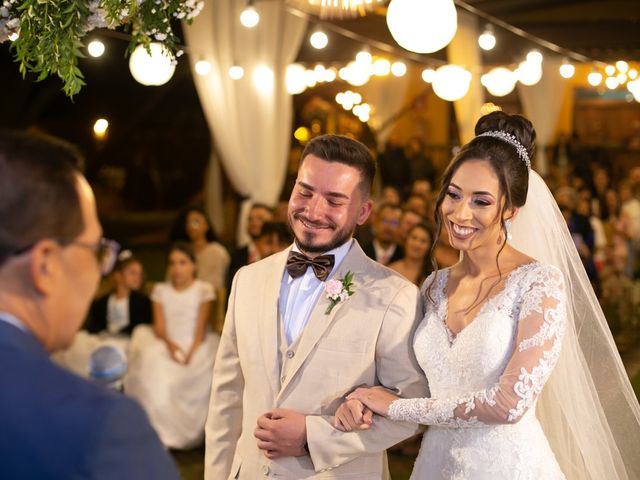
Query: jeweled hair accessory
x: 511, y: 140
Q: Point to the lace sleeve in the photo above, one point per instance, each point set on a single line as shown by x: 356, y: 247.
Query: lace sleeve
x: 541, y: 324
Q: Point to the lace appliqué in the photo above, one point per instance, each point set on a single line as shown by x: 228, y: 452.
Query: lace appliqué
x: 541, y: 306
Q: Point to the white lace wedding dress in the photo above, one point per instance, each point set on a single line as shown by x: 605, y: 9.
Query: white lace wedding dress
x: 485, y: 381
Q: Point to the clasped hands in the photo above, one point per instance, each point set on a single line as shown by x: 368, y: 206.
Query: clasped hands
x: 356, y: 412
x: 283, y: 433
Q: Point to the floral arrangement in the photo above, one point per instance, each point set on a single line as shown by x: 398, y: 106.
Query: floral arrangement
x: 47, y: 34
x: 338, y: 291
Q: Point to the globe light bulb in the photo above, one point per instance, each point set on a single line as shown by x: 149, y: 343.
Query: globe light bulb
x: 249, y: 17
x: 236, y: 72
x: 428, y: 75
x: 202, y: 67
x: 95, y: 48
x: 398, y: 69
x: 594, y: 79
x: 567, y: 70
x: 319, y: 40
x: 487, y: 40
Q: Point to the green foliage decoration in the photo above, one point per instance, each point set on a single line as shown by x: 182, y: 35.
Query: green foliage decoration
x: 47, y: 35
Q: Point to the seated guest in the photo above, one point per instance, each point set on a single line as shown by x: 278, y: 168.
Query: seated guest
x: 408, y: 220
x: 383, y: 249
x: 274, y: 237
x: 120, y: 311
x: 415, y: 265
x: 212, y: 258
x: 418, y: 204
x: 55, y: 425
x: 170, y: 364
x: 258, y: 215
x: 112, y: 317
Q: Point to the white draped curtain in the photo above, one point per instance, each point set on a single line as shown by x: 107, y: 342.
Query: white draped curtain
x: 249, y: 119
x: 542, y: 104
x: 387, y: 97
x: 465, y: 52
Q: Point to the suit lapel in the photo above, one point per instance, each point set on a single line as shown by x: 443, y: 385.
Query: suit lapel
x: 319, y: 321
x: 270, y: 316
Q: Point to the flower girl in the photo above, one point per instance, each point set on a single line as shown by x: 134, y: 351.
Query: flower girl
x: 171, y: 363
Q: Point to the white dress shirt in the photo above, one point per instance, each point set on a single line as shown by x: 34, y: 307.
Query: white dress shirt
x: 298, y: 296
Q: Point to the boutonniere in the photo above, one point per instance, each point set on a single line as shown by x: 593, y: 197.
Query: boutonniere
x: 338, y: 291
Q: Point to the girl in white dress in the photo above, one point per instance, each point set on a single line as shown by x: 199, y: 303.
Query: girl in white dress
x: 170, y: 364
x: 524, y: 378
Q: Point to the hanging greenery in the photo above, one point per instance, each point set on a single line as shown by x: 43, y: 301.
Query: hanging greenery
x: 47, y: 35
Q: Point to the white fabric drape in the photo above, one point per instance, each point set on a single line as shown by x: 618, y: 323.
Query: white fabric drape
x: 542, y: 104
x: 387, y: 97
x: 250, y: 120
x: 464, y: 51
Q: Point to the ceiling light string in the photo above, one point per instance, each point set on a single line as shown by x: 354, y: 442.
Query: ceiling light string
x: 526, y: 35
x: 378, y: 45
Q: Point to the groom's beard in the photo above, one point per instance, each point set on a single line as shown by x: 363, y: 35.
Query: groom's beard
x: 306, y: 242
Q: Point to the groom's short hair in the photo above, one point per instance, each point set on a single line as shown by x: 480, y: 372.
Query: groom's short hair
x: 341, y: 149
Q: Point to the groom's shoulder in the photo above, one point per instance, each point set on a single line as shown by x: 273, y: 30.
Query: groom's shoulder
x: 384, y: 275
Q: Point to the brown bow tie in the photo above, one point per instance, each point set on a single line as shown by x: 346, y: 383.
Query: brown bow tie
x: 297, y: 264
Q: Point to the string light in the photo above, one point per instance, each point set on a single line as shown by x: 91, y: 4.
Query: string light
x: 100, y: 128
x: 319, y: 39
x: 236, y: 72
x: 202, y: 67
x: 594, y: 78
x: 487, y: 40
x: 95, y: 48
x: 249, y: 17
x: 567, y: 70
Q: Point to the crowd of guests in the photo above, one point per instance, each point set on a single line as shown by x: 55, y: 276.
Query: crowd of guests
x: 603, y: 215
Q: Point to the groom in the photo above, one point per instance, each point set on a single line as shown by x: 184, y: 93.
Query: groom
x: 289, y: 354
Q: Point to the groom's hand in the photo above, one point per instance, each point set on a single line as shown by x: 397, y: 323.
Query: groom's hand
x: 281, y: 433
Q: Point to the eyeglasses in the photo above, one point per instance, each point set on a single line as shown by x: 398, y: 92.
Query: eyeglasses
x: 105, y: 251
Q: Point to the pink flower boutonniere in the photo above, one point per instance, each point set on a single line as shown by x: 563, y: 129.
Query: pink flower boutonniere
x: 338, y: 291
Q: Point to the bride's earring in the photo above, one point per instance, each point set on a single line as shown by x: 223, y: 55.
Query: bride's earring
x: 507, y: 227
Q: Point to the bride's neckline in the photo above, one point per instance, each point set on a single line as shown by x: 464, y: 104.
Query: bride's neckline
x: 444, y: 309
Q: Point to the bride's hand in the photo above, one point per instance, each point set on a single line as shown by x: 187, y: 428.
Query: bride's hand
x: 353, y: 415
x: 377, y: 399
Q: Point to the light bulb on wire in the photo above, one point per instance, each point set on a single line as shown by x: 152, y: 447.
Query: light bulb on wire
x: 95, y: 48
x: 567, y: 70
x: 319, y: 39
x: 249, y: 17
x: 594, y: 78
x: 487, y: 40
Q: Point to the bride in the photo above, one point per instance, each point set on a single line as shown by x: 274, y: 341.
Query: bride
x: 524, y: 376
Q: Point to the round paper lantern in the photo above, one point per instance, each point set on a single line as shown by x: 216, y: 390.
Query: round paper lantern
x: 155, y: 69
x: 451, y: 82
x: 422, y: 26
x: 529, y: 72
x: 499, y: 81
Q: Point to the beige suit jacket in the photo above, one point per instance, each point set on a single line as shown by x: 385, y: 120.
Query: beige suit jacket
x: 365, y: 340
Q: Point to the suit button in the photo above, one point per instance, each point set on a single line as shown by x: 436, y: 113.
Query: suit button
x: 290, y: 354
x: 265, y: 470
x: 283, y: 378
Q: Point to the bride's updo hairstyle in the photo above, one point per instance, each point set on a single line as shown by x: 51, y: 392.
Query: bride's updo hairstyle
x: 505, y: 160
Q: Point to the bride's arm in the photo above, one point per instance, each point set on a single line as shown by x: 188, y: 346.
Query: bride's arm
x: 541, y: 326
